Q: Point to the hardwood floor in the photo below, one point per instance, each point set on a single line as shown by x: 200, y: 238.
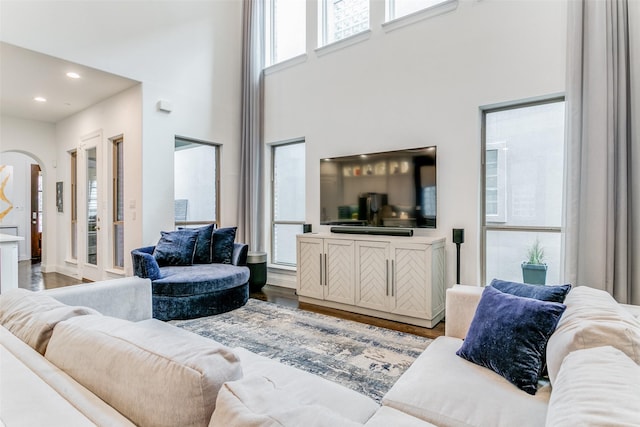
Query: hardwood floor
x: 31, y: 277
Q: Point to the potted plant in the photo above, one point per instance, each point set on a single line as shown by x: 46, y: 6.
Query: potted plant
x: 534, y: 270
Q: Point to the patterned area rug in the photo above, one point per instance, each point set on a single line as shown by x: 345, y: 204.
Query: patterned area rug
x: 364, y: 358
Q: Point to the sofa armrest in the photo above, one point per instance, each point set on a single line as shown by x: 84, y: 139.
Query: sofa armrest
x: 145, y: 264
x: 461, y: 304
x: 239, y: 256
x: 127, y: 298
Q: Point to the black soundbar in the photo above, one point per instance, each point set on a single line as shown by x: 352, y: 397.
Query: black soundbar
x: 378, y: 231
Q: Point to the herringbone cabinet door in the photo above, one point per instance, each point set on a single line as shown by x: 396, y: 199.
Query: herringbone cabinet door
x: 310, y: 265
x: 411, y: 272
x: 372, y: 275
x: 339, y: 270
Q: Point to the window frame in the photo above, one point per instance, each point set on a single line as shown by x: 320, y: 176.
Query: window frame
x: 73, y: 214
x: 323, y: 29
x: 393, y: 22
x: 116, y: 197
x: 275, y: 222
x: 218, y: 149
x: 270, y: 52
x: 484, y: 227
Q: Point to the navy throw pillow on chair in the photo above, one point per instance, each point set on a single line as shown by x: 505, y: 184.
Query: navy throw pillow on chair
x: 204, y: 244
x: 553, y: 293
x: 509, y: 334
x: 223, y: 239
x: 176, y: 247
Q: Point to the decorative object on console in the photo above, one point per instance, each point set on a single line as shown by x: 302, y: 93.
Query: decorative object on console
x: 509, y: 334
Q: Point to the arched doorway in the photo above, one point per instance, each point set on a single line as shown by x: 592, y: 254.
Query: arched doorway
x: 22, y: 201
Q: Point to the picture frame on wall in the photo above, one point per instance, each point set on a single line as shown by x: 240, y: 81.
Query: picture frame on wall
x: 59, y: 194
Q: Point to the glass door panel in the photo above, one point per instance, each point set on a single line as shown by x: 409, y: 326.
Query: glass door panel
x: 92, y: 207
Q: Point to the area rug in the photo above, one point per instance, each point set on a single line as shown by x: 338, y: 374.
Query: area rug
x: 364, y: 358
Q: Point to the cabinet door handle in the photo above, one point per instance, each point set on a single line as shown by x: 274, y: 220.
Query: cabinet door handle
x: 325, y: 270
x: 386, y: 272
x: 321, y: 270
x: 393, y: 276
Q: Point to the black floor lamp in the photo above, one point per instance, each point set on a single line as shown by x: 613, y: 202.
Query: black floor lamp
x: 458, y: 239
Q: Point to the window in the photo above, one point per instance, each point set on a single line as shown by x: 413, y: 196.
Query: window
x: 74, y: 204
x: 288, y: 201
x: 399, y: 8
x: 118, y: 204
x: 196, y: 182
x: 343, y: 18
x: 523, y: 149
x: 285, y: 29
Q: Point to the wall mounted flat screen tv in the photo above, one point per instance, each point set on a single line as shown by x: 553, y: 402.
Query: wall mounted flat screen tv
x: 388, y: 189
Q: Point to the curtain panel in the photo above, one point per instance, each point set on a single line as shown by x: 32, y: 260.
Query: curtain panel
x: 602, y: 189
x: 251, y: 194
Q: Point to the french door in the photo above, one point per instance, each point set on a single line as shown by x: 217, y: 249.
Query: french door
x: 91, y: 236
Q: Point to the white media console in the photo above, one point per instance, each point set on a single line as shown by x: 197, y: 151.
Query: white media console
x: 395, y: 278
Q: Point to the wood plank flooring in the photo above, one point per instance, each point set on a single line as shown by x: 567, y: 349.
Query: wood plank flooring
x: 31, y: 277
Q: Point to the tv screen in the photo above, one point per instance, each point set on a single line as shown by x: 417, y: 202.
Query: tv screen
x: 388, y: 189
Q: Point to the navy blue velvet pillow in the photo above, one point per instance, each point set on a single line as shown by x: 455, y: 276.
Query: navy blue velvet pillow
x: 555, y: 293
x: 176, y: 247
x: 509, y: 335
x: 203, y: 245
x: 222, y: 245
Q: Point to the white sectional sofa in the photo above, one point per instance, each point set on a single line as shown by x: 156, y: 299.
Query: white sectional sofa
x: 122, y: 368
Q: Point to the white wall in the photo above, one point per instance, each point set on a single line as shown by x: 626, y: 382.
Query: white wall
x: 37, y: 140
x: 117, y: 116
x: 421, y: 85
x: 186, y: 52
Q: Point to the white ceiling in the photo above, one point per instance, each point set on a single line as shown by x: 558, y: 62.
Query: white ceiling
x: 25, y: 74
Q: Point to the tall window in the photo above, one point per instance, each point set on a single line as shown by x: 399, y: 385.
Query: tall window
x: 288, y: 199
x: 523, y: 166
x: 399, y: 8
x: 74, y: 204
x: 196, y: 182
x: 285, y: 29
x: 118, y: 204
x: 343, y: 18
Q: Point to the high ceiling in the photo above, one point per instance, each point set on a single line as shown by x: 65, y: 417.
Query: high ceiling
x: 25, y: 74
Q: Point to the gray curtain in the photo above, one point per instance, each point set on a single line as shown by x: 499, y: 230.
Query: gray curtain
x: 250, y: 197
x: 602, y: 189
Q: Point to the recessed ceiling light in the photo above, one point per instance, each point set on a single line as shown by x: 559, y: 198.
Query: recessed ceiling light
x: 73, y: 75
x: 40, y: 99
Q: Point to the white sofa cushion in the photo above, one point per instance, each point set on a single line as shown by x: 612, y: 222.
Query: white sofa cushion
x: 257, y: 401
x: 153, y: 378
x: 28, y: 401
x: 305, y: 388
x: 596, y: 387
x: 592, y: 319
x: 90, y: 405
x: 31, y: 316
x: 389, y: 417
x: 447, y: 390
